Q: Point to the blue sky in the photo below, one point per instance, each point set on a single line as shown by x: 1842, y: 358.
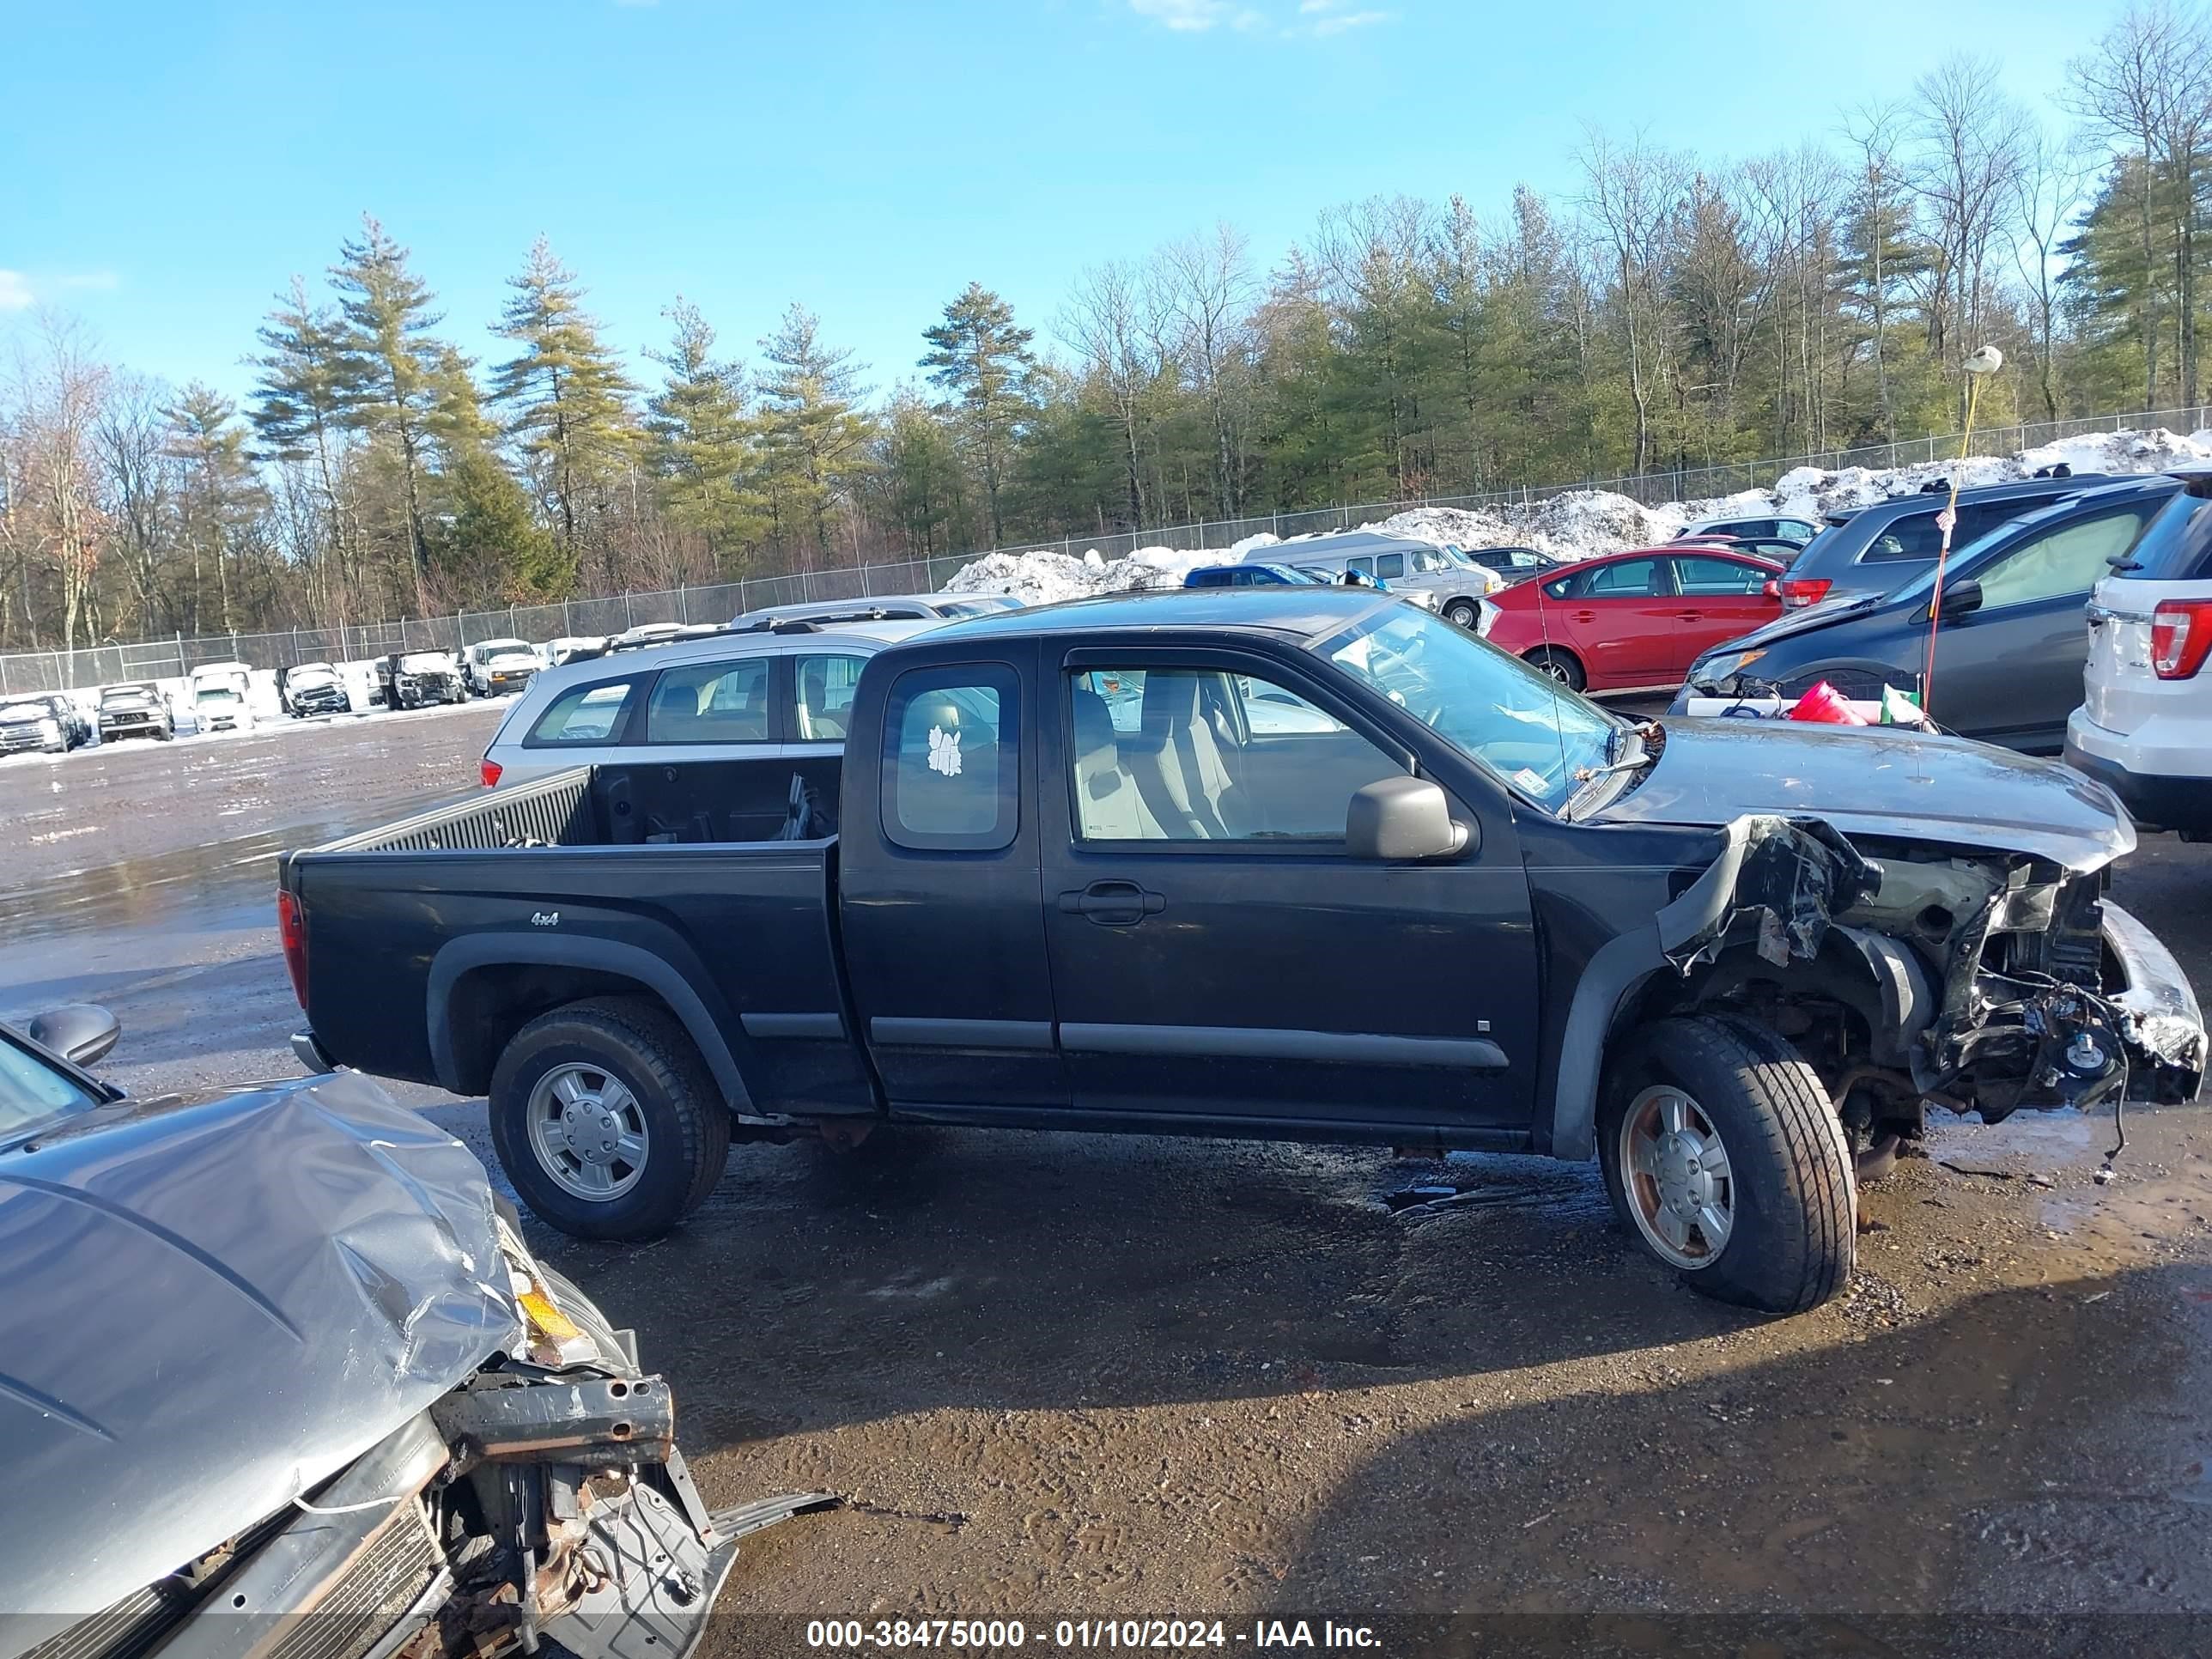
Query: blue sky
x: 165, y: 166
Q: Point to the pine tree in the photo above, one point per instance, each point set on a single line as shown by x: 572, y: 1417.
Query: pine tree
x: 222, y: 496
x: 568, y: 401
x: 816, y: 442
x: 979, y: 356
x: 389, y: 365
x: 702, y: 449
x: 298, y: 408
x: 489, y: 537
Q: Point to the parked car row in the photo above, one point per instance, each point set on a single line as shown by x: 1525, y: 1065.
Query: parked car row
x: 52, y: 724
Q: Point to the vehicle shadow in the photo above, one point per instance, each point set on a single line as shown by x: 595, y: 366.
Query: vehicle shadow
x: 2021, y: 1473
x: 1004, y: 1271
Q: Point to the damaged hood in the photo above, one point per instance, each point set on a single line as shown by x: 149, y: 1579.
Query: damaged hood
x: 1878, y: 781
x: 214, y: 1302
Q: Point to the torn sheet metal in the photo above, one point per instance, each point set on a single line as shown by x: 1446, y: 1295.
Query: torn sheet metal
x: 2161, y: 1018
x: 1780, y: 878
x: 214, y: 1301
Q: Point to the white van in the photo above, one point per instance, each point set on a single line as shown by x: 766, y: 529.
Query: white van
x: 1433, y: 574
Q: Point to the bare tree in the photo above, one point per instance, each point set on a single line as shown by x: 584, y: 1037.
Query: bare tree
x: 2121, y: 86
x: 1970, y: 138
x: 1209, y: 283
x: 1630, y: 192
x: 1111, y: 319
x: 59, y: 390
x: 2054, y: 174
x: 132, y: 437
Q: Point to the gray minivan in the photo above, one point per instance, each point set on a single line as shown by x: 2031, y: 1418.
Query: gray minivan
x: 1879, y: 549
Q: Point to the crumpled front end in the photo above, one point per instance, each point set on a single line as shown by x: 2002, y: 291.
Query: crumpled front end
x: 1982, y: 980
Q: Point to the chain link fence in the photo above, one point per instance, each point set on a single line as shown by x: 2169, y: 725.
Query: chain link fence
x: 177, y: 656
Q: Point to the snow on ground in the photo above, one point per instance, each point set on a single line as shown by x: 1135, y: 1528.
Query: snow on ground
x: 1577, y: 523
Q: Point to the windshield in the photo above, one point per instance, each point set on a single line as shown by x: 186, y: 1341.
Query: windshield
x: 127, y: 694
x: 1526, y: 727
x: 313, y: 673
x: 25, y: 711
x: 31, y: 1091
x: 215, y: 694
x: 425, y: 662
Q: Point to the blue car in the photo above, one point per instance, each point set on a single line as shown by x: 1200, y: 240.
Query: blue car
x: 1261, y: 576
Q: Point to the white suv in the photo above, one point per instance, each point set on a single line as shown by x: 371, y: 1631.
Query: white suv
x: 2144, y: 728
x: 1430, y: 574
x: 779, y: 691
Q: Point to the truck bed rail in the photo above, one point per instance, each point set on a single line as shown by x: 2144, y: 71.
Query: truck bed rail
x: 555, y: 811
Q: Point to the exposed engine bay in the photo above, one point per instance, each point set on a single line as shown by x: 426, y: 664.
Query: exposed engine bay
x: 1908, y: 972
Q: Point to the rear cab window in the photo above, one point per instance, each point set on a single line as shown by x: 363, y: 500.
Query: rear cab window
x: 950, y: 772
x: 822, y: 710
x: 584, y: 713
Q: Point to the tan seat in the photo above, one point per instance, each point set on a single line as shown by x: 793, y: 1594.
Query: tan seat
x: 1108, y: 805
x: 1177, y: 764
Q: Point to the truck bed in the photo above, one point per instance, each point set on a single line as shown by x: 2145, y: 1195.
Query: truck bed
x: 429, y: 942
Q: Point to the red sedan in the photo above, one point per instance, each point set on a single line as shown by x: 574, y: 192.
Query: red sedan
x: 1638, y: 618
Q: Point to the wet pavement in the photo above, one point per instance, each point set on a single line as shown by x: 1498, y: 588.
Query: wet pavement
x: 1059, y: 1376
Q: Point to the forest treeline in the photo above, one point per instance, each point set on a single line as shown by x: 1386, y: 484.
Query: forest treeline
x: 1667, y: 311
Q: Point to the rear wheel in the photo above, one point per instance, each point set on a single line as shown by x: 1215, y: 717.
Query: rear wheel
x: 1560, y: 665
x: 1721, y: 1153
x: 606, y: 1119
x: 1461, y: 611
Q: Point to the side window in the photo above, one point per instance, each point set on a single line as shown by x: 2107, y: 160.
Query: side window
x: 951, y: 779
x: 1388, y: 565
x: 2060, y: 562
x: 822, y: 708
x: 1215, y: 578
x: 1915, y: 535
x: 1567, y: 588
x: 583, y: 713
x: 1365, y: 567
x: 1631, y: 579
x: 1713, y: 576
x: 711, y: 703
x: 1189, y: 754
x: 1796, y: 530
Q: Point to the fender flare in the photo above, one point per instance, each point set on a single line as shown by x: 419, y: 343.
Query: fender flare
x: 458, y: 956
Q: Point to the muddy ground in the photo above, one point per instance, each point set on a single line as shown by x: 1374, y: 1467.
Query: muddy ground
x: 1061, y: 1376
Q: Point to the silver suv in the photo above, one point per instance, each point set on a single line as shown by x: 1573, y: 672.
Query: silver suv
x: 785, y: 690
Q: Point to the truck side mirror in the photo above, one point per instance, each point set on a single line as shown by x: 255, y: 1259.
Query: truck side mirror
x: 80, y: 1032
x: 1961, y: 599
x: 1395, y: 818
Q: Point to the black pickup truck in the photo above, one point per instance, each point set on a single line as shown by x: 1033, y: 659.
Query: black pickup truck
x: 1304, y: 863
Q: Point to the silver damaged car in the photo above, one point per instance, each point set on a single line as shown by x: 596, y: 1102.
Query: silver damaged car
x: 288, y: 1383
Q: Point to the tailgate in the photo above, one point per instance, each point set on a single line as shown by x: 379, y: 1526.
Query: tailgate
x: 2120, y: 691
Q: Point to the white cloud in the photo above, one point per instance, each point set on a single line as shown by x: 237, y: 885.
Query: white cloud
x: 1336, y: 22
x: 18, y: 292
x: 1185, y: 16
x: 1316, y: 19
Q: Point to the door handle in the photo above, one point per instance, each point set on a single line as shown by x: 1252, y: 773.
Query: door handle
x: 1113, y: 903
x: 1585, y: 615
x: 1689, y: 616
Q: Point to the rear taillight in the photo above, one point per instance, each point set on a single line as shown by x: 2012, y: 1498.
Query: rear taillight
x: 1804, y: 591
x: 292, y: 934
x: 2180, y: 638
x: 489, y: 769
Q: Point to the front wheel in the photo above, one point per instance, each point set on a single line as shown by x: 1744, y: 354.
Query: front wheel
x: 1560, y: 665
x: 1461, y: 611
x: 606, y: 1119
x: 1721, y: 1153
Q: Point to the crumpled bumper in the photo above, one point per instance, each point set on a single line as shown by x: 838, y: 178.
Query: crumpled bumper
x: 2163, y: 1027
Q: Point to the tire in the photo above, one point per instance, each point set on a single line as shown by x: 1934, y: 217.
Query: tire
x: 1461, y: 611
x: 1560, y: 665
x: 1789, y: 1200
x: 639, y: 1047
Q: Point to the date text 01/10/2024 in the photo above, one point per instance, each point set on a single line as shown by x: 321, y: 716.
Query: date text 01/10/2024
x: 837, y: 1635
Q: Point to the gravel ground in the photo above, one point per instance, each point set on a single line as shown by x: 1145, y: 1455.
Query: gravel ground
x: 1056, y: 1376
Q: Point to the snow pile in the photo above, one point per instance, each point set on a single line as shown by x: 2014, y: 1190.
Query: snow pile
x: 1577, y: 523
x: 1047, y: 578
